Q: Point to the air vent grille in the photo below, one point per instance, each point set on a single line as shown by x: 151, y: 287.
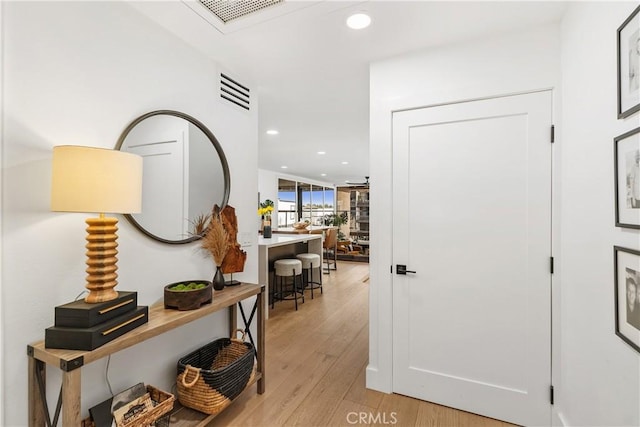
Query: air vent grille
x: 234, y: 92
x: 228, y: 10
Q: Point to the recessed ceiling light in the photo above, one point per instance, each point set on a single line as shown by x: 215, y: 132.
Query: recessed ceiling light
x: 272, y: 132
x: 323, y: 174
x: 358, y: 21
x: 345, y: 163
x: 322, y: 152
x: 283, y: 167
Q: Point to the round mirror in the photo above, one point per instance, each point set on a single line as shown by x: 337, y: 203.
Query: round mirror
x: 185, y: 172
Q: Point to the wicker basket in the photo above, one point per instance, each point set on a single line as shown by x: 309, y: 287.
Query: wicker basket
x: 159, y: 404
x: 212, y: 376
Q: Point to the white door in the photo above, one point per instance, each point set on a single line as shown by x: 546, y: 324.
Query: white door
x: 472, y: 218
x: 162, y: 141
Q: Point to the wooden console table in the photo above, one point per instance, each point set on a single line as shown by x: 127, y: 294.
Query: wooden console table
x: 161, y: 320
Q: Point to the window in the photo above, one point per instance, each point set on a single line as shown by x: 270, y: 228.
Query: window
x: 303, y: 201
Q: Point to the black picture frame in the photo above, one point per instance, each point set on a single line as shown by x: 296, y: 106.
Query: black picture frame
x: 627, y: 306
x: 628, y: 53
x: 627, y: 179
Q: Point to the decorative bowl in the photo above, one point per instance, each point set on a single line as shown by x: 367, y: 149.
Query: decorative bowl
x: 300, y: 225
x: 188, y: 299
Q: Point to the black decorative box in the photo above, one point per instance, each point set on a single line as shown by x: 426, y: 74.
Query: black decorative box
x: 95, y: 336
x: 80, y: 314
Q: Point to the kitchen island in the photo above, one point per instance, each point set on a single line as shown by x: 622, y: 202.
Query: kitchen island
x: 281, y: 246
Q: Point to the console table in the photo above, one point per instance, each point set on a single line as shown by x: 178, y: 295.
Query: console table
x: 161, y: 320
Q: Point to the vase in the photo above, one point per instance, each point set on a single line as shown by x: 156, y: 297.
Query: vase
x: 266, y: 228
x: 218, y: 280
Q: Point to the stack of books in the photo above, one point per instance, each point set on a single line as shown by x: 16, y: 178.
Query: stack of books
x: 83, y: 326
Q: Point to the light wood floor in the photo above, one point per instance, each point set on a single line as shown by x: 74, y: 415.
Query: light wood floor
x: 315, y: 367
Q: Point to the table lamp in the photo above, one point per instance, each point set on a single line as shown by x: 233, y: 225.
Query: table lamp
x: 97, y: 180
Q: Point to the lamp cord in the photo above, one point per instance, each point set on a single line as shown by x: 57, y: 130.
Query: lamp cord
x: 106, y: 375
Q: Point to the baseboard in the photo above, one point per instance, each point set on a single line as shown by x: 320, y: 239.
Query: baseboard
x: 354, y: 258
x: 375, y: 382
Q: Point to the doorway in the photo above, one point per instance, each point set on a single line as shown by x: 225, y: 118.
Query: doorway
x: 472, y: 226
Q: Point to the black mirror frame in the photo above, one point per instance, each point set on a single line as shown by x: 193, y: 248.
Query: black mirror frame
x: 214, y: 142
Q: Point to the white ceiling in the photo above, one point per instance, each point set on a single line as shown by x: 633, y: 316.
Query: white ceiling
x: 311, y: 72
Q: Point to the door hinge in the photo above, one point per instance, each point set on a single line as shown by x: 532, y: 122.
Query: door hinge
x: 551, y: 394
x: 553, y: 134
x: 551, y: 264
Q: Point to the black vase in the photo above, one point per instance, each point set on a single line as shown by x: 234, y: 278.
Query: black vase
x: 218, y: 280
x: 266, y: 232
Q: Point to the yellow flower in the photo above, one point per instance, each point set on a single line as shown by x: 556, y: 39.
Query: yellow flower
x: 265, y: 208
x: 265, y: 211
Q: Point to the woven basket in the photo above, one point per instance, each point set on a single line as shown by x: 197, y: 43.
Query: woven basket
x: 212, y: 376
x: 159, y: 404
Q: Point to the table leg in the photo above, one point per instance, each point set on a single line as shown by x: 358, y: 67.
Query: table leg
x: 71, y: 405
x: 36, y: 405
x: 261, y: 297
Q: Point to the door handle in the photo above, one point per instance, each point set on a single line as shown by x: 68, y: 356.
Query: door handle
x: 402, y: 269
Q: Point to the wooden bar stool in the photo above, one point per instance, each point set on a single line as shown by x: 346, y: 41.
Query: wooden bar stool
x: 309, y: 263
x: 285, y: 268
x: 330, y: 246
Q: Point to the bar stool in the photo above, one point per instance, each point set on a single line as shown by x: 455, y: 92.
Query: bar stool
x: 309, y: 262
x: 330, y: 246
x: 289, y: 267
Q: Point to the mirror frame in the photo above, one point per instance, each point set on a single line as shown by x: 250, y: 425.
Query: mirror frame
x: 216, y: 145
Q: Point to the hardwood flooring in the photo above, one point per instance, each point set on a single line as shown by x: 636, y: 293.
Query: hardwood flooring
x: 315, y: 367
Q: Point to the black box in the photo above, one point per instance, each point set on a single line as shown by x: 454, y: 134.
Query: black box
x: 95, y: 336
x: 80, y: 314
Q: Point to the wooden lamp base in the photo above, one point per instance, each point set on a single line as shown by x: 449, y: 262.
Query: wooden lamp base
x: 101, y: 259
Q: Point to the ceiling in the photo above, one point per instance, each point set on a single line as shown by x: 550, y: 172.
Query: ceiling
x: 311, y: 72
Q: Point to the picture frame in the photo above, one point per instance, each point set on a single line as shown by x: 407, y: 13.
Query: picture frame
x: 626, y: 295
x: 627, y: 179
x: 628, y: 53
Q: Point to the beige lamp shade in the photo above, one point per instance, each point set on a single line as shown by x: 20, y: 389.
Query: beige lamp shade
x: 88, y: 179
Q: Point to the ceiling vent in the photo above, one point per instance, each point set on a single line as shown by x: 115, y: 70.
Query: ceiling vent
x: 228, y: 10
x: 234, y: 92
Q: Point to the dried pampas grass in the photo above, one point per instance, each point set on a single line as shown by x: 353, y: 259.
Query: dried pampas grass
x: 215, y: 239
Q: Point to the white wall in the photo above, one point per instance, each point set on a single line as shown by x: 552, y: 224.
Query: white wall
x: 506, y: 64
x: 268, y: 188
x: 2, y: 346
x: 78, y: 73
x: 600, y: 373
x: 595, y: 374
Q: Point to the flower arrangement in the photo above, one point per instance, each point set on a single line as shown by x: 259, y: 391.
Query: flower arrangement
x: 199, y: 224
x: 265, y: 209
x: 215, y: 239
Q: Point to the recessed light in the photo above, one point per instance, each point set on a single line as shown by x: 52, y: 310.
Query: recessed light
x: 322, y: 152
x: 345, y: 163
x: 323, y: 174
x: 283, y: 167
x: 358, y: 21
x: 272, y: 132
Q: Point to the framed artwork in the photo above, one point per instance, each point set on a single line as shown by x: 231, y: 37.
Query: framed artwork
x: 627, y: 179
x: 627, y: 295
x: 629, y: 65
